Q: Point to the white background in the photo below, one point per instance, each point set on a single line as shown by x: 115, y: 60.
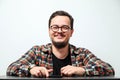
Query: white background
x: 24, y: 23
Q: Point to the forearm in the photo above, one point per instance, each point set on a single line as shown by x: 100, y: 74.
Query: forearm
x: 16, y: 69
x: 96, y: 67
x: 21, y: 66
x: 99, y: 70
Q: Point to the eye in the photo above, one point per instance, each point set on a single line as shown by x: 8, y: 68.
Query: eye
x: 54, y: 27
x: 65, y: 27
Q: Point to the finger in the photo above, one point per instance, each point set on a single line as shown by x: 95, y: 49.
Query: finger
x: 44, y: 72
x: 36, y: 74
x: 50, y: 70
x: 47, y: 71
x: 65, y: 67
x: 40, y: 74
x: 64, y: 70
x: 67, y: 72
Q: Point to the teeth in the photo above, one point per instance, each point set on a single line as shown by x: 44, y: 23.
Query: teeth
x: 59, y: 36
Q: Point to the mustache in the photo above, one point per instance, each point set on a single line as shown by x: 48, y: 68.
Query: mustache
x: 61, y: 34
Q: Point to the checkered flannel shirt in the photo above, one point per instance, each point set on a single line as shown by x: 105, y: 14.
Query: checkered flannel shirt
x: 42, y: 56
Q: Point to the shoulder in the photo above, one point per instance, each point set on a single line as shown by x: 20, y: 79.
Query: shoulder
x: 43, y: 48
x: 78, y: 50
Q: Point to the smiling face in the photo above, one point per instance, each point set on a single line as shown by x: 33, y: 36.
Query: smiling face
x: 59, y: 38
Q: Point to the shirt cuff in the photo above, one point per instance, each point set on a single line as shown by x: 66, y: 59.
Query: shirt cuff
x: 31, y: 66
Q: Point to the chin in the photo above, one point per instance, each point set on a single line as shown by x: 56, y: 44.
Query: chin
x: 59, y: 44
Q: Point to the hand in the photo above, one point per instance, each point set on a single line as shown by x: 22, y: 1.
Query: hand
x: 40, y: 71
x: 71, y: 70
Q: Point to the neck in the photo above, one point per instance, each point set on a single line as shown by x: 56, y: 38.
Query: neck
x: 60, y: 53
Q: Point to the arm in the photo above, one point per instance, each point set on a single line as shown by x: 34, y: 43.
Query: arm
x: 21, y: 66
x: 87, y: 64
x: 96, y: 67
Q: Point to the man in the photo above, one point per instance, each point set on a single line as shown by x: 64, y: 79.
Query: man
x: 59, y: 57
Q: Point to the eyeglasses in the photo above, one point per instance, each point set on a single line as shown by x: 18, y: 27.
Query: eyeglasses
x: 64, y: 28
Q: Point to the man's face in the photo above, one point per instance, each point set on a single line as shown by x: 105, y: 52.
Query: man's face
x: 60, y: 36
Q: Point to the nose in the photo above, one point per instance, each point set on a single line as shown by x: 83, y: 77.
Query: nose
x: 60, y: 29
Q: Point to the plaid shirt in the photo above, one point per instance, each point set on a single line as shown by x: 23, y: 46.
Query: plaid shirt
x: 42, y: 56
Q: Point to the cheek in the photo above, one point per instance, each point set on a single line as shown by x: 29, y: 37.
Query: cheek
x: 51, y: 33
x: 69, y: 34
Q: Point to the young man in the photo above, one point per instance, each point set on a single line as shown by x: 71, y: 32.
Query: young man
x: 59, y: 57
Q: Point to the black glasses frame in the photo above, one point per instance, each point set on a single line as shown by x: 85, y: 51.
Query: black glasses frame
x: 64, y: 28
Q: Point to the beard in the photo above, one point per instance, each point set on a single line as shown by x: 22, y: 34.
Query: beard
x: 60, y: 45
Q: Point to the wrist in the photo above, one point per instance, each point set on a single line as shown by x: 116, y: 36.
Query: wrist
x: 30, y: 67
x: 80, y: 71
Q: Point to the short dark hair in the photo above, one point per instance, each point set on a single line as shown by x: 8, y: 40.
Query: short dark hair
x: 61, y: 13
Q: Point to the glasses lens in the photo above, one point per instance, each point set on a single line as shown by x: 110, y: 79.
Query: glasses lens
x: 64, y: 28
x: 54, y: 28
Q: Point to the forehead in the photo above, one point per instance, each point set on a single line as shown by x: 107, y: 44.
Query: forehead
x: 60, y: 20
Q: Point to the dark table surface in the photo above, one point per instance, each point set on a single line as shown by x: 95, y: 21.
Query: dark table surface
x: 59, y: 78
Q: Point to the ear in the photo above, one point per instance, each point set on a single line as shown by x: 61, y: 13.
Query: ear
x: 72, y: 32
x: 49, y: 31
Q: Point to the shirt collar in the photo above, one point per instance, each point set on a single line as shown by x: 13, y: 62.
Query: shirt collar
x: 48, y: 48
